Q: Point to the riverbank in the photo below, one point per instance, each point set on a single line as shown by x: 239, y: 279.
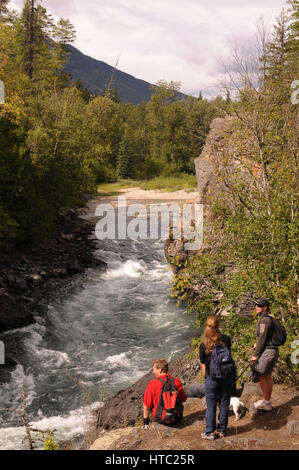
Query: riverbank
x: 25, y: 271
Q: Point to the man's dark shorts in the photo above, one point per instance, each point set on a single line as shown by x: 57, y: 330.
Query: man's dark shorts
x: 267, y: 361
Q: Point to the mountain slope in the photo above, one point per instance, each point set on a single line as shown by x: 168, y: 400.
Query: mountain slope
x: 96, y: 75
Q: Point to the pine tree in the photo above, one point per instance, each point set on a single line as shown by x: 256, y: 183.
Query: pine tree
x: 3, y: 10
x: 30, y: 38
x: 124, y: 161
x: 278, y: 50
x: 41, y: 45
x: 64, y: 32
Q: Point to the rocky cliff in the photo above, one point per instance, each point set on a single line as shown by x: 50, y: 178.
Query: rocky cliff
x: 221, y: 156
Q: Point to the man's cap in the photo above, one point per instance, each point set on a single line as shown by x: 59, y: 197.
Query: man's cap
x: 262, y: 302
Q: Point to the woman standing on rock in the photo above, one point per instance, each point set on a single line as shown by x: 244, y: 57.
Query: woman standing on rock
x: 219, y: 371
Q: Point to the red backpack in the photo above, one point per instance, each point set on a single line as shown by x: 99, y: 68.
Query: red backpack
x: 170, y: 407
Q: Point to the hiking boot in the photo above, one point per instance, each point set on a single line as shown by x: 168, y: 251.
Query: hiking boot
x: 262, y: 405
x: 222, y: 434
x: 210, y: 437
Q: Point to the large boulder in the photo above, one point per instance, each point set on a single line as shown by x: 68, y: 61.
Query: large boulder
x: 13, y: 314
x: 223, y: 156
x: 207, y: 181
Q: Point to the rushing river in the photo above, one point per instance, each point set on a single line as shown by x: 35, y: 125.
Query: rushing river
x: 93, y: 337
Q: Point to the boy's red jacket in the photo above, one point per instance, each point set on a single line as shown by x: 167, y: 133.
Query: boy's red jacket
x: 153, y: 392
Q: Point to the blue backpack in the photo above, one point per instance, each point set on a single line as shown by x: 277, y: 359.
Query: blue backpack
x: 222, y: 365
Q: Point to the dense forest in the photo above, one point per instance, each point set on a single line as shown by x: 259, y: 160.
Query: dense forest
x: 58, y: 140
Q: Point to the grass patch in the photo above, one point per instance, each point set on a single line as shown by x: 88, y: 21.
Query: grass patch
x: 171, y: 183
x: 161, y: 183
x: 112, y: 189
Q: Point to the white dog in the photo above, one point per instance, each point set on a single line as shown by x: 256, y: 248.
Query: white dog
x: 238, y: 407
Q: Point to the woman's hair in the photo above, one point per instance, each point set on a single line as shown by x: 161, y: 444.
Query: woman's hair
x: 211, y: 335
x: 161, y: 364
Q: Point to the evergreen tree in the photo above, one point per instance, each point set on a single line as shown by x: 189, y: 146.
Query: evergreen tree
x: 31, y: 36
x: 41, y: 50
x: 278, y: 50
x: 3, y: 10
x: 124, y: 161
x: 64, y: 32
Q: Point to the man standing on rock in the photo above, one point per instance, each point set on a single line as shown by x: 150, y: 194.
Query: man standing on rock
x: 265, y: 353
x: 153, y: 391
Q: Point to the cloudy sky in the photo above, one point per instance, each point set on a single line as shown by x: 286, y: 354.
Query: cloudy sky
x: 172, y: 40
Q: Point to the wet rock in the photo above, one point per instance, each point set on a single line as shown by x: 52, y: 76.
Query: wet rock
x: 13, y: 314
x: 74, y: 267
x: 98, y: 262
x: 21, y: 284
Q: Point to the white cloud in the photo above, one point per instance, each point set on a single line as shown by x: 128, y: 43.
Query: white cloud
x: 164, y: 39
